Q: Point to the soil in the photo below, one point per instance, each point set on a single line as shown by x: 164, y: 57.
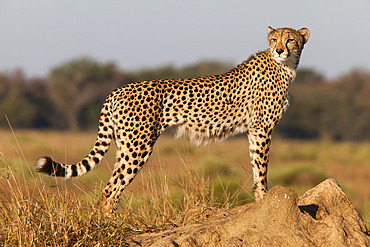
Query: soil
x: 323, y: 216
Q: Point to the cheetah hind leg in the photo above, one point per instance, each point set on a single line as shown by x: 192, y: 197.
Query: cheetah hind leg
x: 128, y: 164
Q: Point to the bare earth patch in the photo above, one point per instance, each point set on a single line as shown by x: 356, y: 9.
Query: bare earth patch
x: 323, y: 216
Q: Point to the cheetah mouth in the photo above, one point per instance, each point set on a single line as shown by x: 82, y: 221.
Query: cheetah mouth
x: 281, y: 58
x: 289, y: 59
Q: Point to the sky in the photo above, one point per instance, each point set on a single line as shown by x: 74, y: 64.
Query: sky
x: 38, y: 35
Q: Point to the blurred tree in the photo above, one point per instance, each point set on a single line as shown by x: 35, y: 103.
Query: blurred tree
x: 351, y: 102
x: 77, y: 85
x: 303, y: 115
x: 336, y: 109
x: 14, y: 101
x: 37, y: 93
x: 20, y: 112
x: 307, y: 75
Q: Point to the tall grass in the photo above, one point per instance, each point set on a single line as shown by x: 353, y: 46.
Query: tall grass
x: 33, y: 214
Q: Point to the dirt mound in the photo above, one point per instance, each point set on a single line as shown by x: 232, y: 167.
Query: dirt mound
x: 323, y: 216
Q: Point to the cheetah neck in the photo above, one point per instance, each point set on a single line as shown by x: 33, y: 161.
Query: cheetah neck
x: 288, y: 69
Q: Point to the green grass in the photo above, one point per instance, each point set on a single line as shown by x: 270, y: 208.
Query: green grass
x: 231, y: 184
x: 300, y: 177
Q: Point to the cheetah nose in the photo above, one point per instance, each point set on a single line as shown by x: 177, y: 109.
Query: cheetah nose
x: 279, y: 51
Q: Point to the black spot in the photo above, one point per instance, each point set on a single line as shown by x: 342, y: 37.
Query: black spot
x: 59, y: 170
x: 96, y: 160
x: 86, y: 164
x: 144, y: 154
x: 74, y: 171
x: 129, y: 170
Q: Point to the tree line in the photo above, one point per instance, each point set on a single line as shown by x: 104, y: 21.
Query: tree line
x: 71, y: 95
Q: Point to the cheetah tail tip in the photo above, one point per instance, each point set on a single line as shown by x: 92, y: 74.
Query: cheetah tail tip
x: 44, y: 165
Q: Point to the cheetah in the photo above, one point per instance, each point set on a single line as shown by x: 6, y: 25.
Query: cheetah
x: 249, y: 99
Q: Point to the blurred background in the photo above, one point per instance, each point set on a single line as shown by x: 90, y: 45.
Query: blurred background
x: 53, y: 53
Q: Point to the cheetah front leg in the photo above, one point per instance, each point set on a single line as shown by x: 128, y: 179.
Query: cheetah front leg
x: 259, y: 147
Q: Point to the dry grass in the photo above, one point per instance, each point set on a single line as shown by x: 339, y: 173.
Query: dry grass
x: 32, y: 214
x: 176, y: 188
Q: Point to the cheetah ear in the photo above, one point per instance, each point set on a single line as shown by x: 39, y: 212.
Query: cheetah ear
x: 305, y: 33
x: 270, y: 30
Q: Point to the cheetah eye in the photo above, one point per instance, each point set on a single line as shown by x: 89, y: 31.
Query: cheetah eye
x: 274, y: 40
x: 290, y: 41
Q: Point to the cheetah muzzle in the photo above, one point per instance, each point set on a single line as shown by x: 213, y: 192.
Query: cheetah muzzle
x: 250, y: 99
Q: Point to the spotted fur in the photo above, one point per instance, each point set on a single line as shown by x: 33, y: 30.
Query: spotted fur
x: 250, y: 98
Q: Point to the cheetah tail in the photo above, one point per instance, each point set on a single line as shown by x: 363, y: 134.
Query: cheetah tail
x: 104, y: 138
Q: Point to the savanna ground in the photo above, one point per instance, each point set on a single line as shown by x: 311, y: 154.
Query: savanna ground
x: 178, y: 186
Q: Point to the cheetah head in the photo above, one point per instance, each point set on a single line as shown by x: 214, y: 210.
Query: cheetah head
x: 286, y: 45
